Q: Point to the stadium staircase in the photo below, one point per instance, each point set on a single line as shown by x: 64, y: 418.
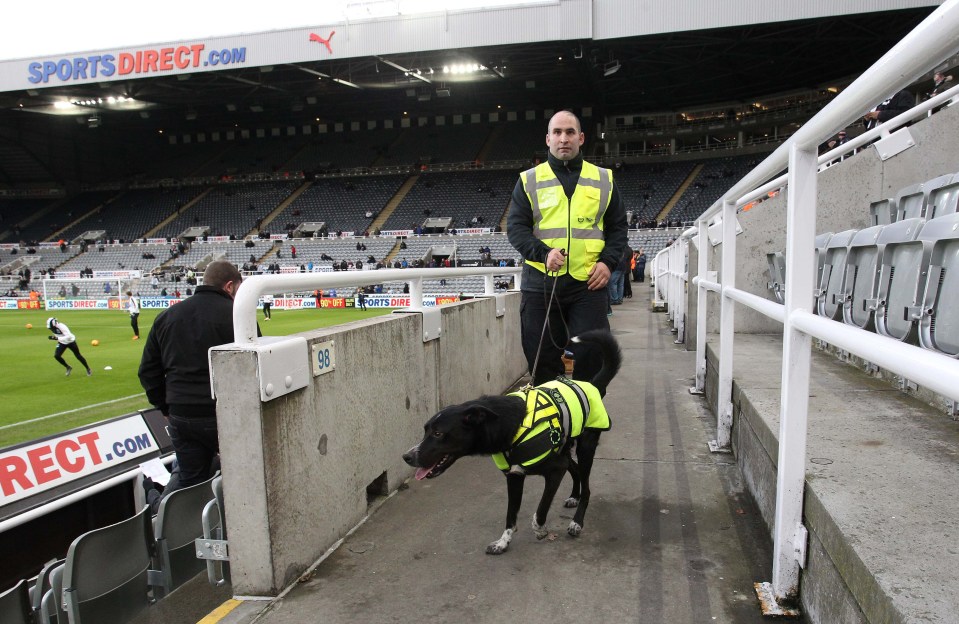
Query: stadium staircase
x: 383, y: 158
x: 89, y: 213
x: 282, y: 206
x: 490, y: 142
x: 679, y: 192
x: 393, y: 203
x: 176, y: 213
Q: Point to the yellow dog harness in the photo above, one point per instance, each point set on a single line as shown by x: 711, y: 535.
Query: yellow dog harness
x: 555, y: 412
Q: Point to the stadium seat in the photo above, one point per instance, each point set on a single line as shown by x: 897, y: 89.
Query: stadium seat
x: 883, y: 212
x: 777, y: 274
x: 177, y: 525
x: 214, y: 531
x: 912, y: 202
x: 939, y: 313
x: 106, y: 573
x: 902, y: 278
x: 944, y: 199
x: 42, y: 585
x: 860, y: 279
x: 15, y: 604
x: 51, y: 605
x: 833, y: 262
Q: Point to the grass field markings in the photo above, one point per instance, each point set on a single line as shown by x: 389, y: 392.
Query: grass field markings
x: 79, y: 409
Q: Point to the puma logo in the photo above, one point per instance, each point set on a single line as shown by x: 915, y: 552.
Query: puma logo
x: 326, y: 42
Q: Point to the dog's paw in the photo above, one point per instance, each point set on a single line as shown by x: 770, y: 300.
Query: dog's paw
x: 574, y: 529
x: 539, y: 530
x: 571, y: 502
x: 499, y: 546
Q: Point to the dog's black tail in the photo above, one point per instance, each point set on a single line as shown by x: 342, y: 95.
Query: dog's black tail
x: 612, y: 357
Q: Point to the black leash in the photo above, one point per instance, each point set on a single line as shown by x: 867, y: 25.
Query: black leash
x: 539, y: 348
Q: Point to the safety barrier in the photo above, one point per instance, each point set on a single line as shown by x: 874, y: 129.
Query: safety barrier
x: 929, y: 44
x: 326, y: 415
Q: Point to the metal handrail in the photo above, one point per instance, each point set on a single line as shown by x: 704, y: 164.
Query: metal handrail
x: 930, y: 43
x: 244, y: 306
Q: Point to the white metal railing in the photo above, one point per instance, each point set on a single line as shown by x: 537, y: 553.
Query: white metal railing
x: 669, y: 275
x: 930, y: 43
x: 244, y: 307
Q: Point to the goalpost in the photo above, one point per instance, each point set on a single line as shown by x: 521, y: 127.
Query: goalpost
x: 96, y: 288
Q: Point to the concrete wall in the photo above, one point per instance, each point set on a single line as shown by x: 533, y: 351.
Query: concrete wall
x: 845, y: 192
x: 296, y: 469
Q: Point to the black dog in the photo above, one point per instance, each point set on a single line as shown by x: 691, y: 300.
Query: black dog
x: 528, y: 432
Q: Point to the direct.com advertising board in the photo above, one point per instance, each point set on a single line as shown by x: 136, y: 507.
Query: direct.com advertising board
x: 37, y: 467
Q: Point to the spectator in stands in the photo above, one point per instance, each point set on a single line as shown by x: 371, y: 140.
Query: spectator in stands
x: 639, y: 273
x: 940, y: 83
x: 615, y: 290
x: 133, y: 307
x: 563, y: 259
x: 293, y: 251
x: 888, y: 108
x: 174, y: 369
x: 65, y: 340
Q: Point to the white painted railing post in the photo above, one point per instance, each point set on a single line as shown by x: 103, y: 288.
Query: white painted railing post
x: 727, y: 318
x: 702, y: 301
x: 789, y: 545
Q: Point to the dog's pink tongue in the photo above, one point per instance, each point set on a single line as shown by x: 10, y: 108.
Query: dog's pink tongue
x: 421, y: 473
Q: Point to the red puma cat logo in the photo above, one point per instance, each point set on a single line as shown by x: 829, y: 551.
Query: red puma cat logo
x: 326, y: 42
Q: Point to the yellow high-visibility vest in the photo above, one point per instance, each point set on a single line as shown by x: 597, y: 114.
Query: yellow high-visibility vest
x: 576, y: 225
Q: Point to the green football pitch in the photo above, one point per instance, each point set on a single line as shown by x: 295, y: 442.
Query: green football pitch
x: 39, y: 400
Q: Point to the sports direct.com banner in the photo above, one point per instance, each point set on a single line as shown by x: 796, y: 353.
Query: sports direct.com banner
x: 162, y: 303
x: 41, y: 466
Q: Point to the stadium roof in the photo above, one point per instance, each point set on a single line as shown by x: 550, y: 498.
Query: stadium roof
x: 665, y: 72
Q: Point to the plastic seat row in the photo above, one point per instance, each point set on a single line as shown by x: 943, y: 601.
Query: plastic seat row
x: 900, y: 280
x: 113, y: 573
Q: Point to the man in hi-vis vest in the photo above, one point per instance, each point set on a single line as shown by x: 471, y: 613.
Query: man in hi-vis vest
x: 567, y: 220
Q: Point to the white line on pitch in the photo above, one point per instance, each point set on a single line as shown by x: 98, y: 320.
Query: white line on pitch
x: 33, y: 420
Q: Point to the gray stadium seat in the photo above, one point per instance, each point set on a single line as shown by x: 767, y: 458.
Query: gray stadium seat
x: 105, y: 576
x: 883, y: 212
x: 944, y: 199
x: 822, y: 242
x: 178, y: 524
x: 51, y: 605
x: 15, y: 604
x: 912, y: 202
x: 777, y: 274
x: 861, y: 278
x: 833, y: 261
x: 214, y: 532
x: 42, y: 585
x: 939, y: 313
x: 902, y: 278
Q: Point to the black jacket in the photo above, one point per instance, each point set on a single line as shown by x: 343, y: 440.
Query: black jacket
x: 892, y: 107
x: 174, y: 369
x: 519, y: 228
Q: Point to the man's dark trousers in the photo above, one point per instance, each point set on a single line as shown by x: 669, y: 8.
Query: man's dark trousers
x: 196, y: 444
x: 582, y: 310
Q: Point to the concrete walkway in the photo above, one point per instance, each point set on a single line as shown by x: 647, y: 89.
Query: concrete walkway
x: 671, y: 535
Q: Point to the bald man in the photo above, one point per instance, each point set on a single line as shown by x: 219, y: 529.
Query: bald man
x: 568, y: 221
